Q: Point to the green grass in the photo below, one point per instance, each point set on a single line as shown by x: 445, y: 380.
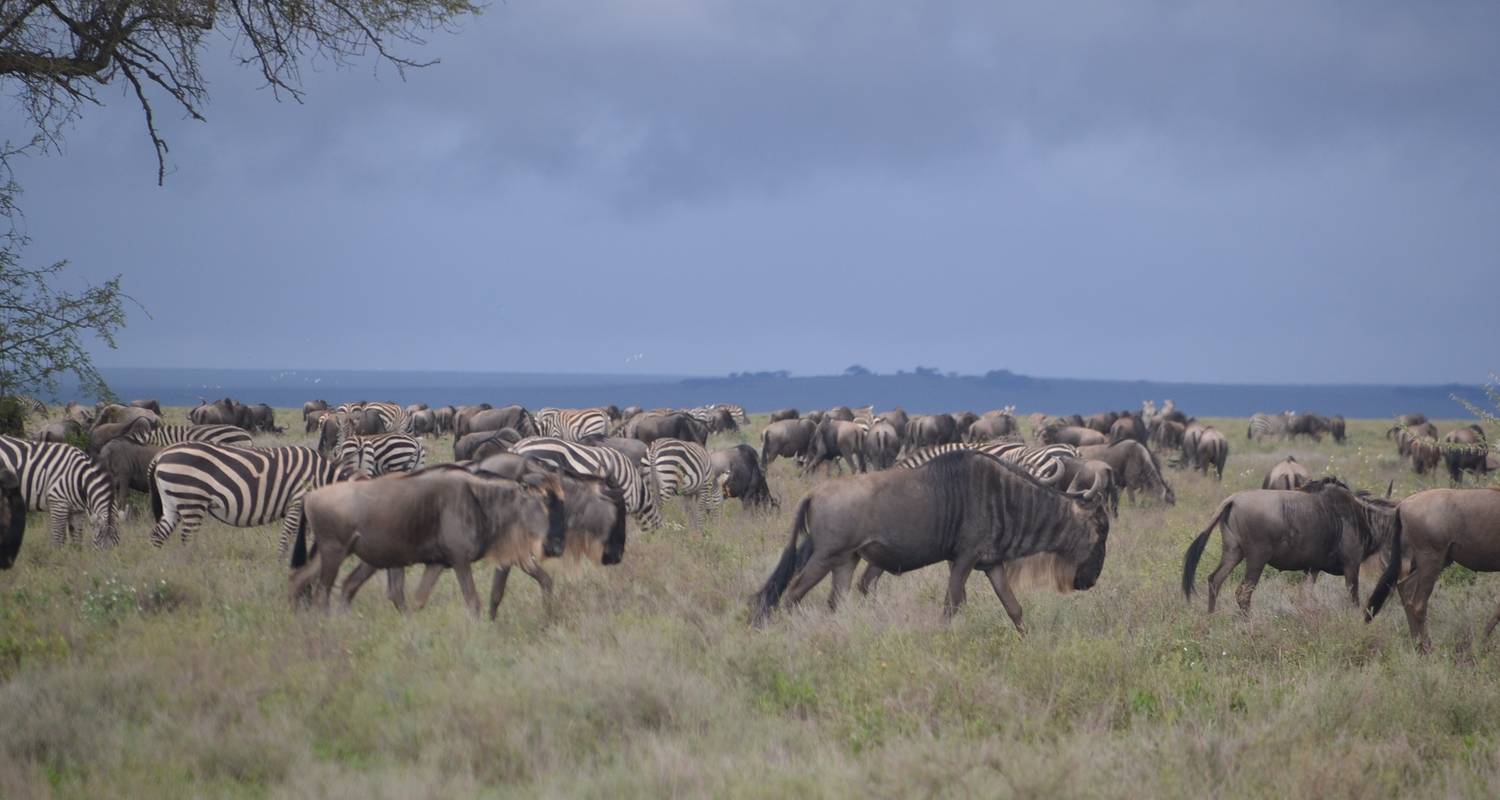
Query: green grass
x: 182, y: 672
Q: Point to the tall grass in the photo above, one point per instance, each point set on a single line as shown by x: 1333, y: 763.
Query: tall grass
x: 182, y: 672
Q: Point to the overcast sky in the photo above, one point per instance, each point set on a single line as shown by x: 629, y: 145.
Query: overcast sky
x: 1223, y: 191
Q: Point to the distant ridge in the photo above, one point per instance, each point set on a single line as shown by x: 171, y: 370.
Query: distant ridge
x: 918, y: 392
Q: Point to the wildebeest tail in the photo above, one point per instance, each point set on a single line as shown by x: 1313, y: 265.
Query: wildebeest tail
x: 1195, y: 550
x: 614, y: 546
x: 792, y: 559
x: 300, y: 553
x: 1387, y: 578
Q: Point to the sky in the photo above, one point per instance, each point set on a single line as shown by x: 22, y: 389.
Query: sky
x: 1286, y: 191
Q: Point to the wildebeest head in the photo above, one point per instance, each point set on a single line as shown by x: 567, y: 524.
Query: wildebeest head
x: 12, y: 517
x: 547, y: 487
x: 1087, y: 552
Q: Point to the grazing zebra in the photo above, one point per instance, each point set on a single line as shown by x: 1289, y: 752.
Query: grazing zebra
x: 684, y: 469
x: 392, y: 417
x: 168, y: 435
x: 65, y: 482
x: 1265, y: 425
x: 240, y: 486
x: 1042, y: 461
x: 377, y: 454
x: 575, y: 425
x: 30, y: 406
x: 613, y: 467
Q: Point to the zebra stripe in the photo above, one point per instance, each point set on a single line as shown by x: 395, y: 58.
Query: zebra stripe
x: 30, y: 405
x: 684, y: 469
x: 168, y: 435
x: 610, y: 465
x: 1265, y: 425
x: 239, y: 486
x: 380, y: 454
x: 575, y: 425
x: 64, y: 481
x: 392, y: 417
x: 1042, y: 461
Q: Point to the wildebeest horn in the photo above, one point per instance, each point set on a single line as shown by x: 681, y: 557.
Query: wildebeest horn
x: 1389, y: 487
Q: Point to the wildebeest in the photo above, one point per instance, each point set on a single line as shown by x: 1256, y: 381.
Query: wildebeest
x: 462, y: 414
x: 1465, y: 450
x: 476, y: 446
x: 1408, y: 421
x: 447, y: 517
x: 102, y: 434
x: 988, y: 428
x: 930, y: 429
x: 128, y: 464
x: 962, y: 420
x: 1286, y: 474
x: 789, y: 438
x: 1079, y: 475
x: 1337, y: 427
x: 516, y: 418
x: 1436, y: 528
x: 834, y: 439
x: 1425, y: 453
x: 968, y: 509
x: 312, y: 407
x: 633, y: 449
x: 1168, y: 435
x: 1211, y: 450
x: 783, y: 413
x: 1310, y: 425
x: 1128, y: 426
x: 1071, y: 434
x: 841, y: 413
x: 1101, y: 422
x: 676, y: 425
x: 882, y: 444
x: 422, y: 422
x: 1323, y: 527
x: 813, y: 416
x: 897, y: 417
x: 12, y: 517
x: 116, y: 414
x: 1135, y: 467
x: 442, y: 417
x: 150, y: 403
x: 743, y: 477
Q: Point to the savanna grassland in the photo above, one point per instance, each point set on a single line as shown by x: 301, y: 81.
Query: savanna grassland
x: 182, y: 672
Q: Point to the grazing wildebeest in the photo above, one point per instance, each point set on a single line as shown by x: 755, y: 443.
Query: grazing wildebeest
x: 1337, y: 427
x: 676, y: 425
x: 1135, y: 467
x: 1425, y: 453
x: 882, y: 444
x: 103, y: 434
x: 1079, y: 475
x: 477, y: 446
x: 783, y: 413
x: 116, y: 414
x: 1465, y: 450
x: 1436, y: 528
x: 447, y: 517
x: 12, y: 517
x: 224, y: 411
x: 743, y: 477
x: 968, y: 509
x: 1286, y: 474
x: 1101, y: 422
x: 461, y: 415
x: 422, y: 423
x: 150, y: 403
x: 1168, y: 435
x: 1322, y: 527
x: 1128, y: 426
x: 1212, y: 450
x: 834, y: 439
x: 789, y: 438
x: 1074, y: 435
x: 1406, y: 422
x: 929, y: 429
x: 1310, y: 425
x: 129, y: 466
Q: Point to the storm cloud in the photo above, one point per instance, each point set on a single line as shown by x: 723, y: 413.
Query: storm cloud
x: 1283, y: 191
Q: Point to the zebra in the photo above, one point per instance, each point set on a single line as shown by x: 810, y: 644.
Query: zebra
x: 393, y: 418
x: 616, y: 469
x: 684, y: 468
x: 30, y: 406
x: 65, y: 482
x: 575, y: 425
x: 377, y: 454
x: 168, y: 435
x: 1042, y: 461
x: 239, y: 486
x: 1265, y: 425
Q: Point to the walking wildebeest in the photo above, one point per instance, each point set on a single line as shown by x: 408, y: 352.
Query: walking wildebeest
x: 1465, y: 450
x: 1322, y: 527
x: 789, y: 438
x: 966, y: 508
x: 1212, y: 450
x: 1436, y: 528
x: 743, y: 477
x: 882, y: 444
x: 928, y: 430
x: 449, y: 517
x: 1286, y: 474
x: 1136, y: 469
x: 834, y: 439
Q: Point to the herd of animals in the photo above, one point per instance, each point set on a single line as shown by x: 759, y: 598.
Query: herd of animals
x: 963, y: 488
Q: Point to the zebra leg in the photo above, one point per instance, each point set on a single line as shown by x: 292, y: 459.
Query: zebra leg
x: 192, y: 520
x: 162, y: 530
x: 58, y: 514
x: 289, y: 526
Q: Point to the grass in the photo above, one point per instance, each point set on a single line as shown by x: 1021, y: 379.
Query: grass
x: 182, y: 672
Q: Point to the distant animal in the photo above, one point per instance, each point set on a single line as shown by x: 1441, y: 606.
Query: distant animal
x: 836, y: 439
x: 575, y: 425
x: 788, y: 438
x: 1212, y: 451
x: 784, y: 413
x: 625, y: 474
x: 1436, y: 528
x: 1286, y: 474
x: 1322, y: 527
x: 987, y: 428
x: 882, y: 444
x: 312, y: 407
x: 167, y: 435
x: 61, y: 432
x: 685, y: 469
x: 1337, y: 426
x: 1266, y: 426
x: 517, y: 418
x: 151, y: 404
x: 481, y: 445
x: 1073, y: 435
x: 743, y: 477
x: 1465, y: 450
x: 129, y: 466
x: 967, y: 509
x: 1310, y: 425
x: 378, y: 454
x: 102, y: 434
x: 676, y: 425
x: 1128, y: 427
x: 930, y: 429
x: 1136, y: 469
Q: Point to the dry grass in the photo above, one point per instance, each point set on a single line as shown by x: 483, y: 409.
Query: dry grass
x: 181, y: 672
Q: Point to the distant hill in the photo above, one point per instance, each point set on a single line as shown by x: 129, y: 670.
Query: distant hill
x: 925, y: 392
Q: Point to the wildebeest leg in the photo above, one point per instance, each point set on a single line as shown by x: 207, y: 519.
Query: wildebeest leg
x: 543, y: 580
x: 843, y: 575
x: 429, y: 580
x: 1231, y: 559
x: 497, y: 590
x: 331, y: 556
x: 806, y: 578
x: 1494, y: 620
x: 867, y: 581
x: 1247, y: 586
x: 1416, y: 590
x: 465, y: 577
x: 958, y: 575
x: 996, y: 574
x: 355, y: 579
x: 1351, y: 581
x: 395, y: 587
